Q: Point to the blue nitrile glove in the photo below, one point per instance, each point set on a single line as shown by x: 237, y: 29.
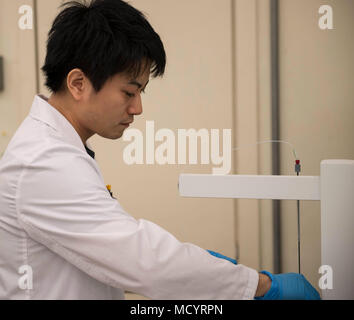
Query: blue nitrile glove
x: 218, y: 255
x: 289, y: 286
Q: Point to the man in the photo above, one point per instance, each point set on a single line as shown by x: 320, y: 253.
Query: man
x: 57, y: 219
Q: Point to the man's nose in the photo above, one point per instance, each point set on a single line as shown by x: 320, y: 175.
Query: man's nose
x: 136, y: 106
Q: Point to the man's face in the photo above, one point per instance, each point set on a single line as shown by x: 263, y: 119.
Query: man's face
x: 110, y: 111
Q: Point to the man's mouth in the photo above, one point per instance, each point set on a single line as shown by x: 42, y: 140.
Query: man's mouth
x: 127, y: 124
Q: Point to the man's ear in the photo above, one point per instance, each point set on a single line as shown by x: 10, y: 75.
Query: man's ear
x: 78, y: 84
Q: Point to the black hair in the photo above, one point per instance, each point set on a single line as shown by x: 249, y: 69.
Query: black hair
x: 102, y: 38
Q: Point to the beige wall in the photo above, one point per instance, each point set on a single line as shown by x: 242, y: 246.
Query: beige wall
x: 252, y: 123
x: 17, y: 50
x: 317, y: 111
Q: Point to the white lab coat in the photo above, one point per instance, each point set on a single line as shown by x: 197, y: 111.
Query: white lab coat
x: 57, y: 217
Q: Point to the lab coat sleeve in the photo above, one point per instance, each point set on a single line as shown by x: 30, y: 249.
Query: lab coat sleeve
x: 62, y: 203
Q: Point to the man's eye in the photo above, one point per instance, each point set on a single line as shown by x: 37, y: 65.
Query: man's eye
x: 130, y: 95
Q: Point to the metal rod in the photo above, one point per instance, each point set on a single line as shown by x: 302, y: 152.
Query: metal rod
x: 274, y: 4
x: 298, y: 235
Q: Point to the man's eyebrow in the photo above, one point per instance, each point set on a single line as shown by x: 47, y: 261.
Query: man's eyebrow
x: 139, y: 85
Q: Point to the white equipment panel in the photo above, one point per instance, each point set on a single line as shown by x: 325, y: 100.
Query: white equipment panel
x: 334, y: 188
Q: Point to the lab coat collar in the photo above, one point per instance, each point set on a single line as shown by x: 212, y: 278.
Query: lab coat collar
x: 44, y: 112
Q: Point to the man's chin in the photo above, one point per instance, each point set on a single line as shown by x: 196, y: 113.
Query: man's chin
x: 112, y: 136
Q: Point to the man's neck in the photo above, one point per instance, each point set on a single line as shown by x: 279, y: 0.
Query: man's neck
x: 65, y: 107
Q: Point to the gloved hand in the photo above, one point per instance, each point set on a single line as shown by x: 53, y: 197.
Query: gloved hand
x: 219, y: 255
x: 289, y: 286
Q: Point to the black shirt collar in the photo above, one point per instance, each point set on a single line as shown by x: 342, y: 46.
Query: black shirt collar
x: 90, y: 152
